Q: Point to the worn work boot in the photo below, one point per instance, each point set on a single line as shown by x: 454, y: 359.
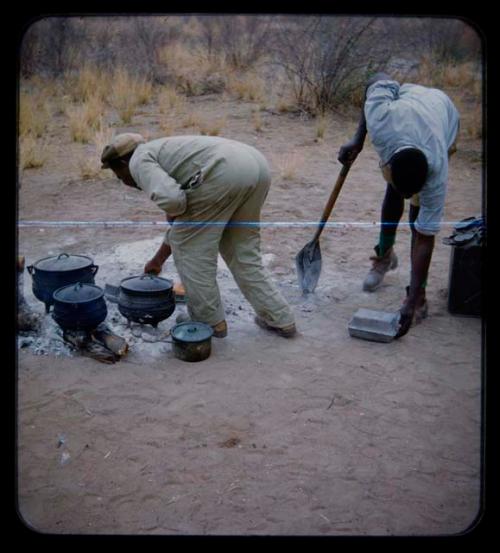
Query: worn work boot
x: 381, y: 264
x: 286, y: 331
x: 220, y: 329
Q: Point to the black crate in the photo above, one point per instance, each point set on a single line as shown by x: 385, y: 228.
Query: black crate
x: 464, y: 287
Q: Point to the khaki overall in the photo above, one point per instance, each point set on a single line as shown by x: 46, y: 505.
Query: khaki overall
x: 222, y: 215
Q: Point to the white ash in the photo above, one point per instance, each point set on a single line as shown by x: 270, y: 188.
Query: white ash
x: 47, y: 340
x: 124, y: 261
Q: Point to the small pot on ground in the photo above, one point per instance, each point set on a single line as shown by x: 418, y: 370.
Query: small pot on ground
x: 192, y: 341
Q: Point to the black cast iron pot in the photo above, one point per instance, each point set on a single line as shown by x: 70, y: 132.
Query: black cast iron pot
x: 79, y: 306
x: 191, y: 341
x: 51, y: 273
x: 146, y: 299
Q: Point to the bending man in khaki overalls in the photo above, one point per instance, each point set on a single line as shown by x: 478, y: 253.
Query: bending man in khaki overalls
x: 212, y: 190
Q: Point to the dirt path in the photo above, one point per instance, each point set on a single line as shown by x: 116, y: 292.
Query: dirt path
x: 320, y: 435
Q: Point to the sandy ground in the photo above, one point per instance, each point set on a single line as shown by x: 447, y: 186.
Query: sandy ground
x: 323, y: 434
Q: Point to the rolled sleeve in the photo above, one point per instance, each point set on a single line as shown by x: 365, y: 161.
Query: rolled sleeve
x: 162, y: 189
x: 379, y: 96
x: 431, y: 211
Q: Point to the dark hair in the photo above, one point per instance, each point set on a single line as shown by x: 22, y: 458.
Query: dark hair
x: 409, y: 171
x: 116, y: 162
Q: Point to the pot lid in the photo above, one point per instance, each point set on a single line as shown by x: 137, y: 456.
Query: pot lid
x: 63, y: 262
x: 463, y: 237
x: 78, y: 293
x: 146, y: 283
x: 191, y: 332
x: 468, y: 223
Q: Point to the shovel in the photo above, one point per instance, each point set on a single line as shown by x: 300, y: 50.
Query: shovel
x: 308, y: 260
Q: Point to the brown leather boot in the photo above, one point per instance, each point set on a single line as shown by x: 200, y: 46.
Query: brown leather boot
x: 220, y: 329
x: 380, y: 266
x: 286, y: 331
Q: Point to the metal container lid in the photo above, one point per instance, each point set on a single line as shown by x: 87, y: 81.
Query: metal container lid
x: 63, y: 262
x: 463, y: 237
x: 468, y: 222
x: 146, y: 284
x: 191, y: 332
x: 78, y: 293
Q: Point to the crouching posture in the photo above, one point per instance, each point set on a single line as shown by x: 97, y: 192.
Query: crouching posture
x: 413, y: 129
x: 212, y: 190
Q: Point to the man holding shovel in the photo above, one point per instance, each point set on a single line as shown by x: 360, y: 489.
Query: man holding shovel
x: 413, y: 129
x: 212, y: 190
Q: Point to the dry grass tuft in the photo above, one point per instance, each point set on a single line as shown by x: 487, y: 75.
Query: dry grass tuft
x: 167, y: 126
x: 127, y: 93
x: 286, y: 104
x: 192, y: 71
x: 88, y: 83
x: 257, y: 122
x: 169, y: 100
x: 320, y: 128
x: 248, y: 87
x: 192, y: 119
x: 85, y: 119
x: 212, y: 127
x: 471, y: 118
x: 34, y: 114
x: 90, y: 163
x: 102, y: 136
x: 32, y: 152
x: 288, y: 165
x: 463, y: 83
x: 144, y: 91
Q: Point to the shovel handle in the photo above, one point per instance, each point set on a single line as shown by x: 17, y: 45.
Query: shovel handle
x: 331, y: 200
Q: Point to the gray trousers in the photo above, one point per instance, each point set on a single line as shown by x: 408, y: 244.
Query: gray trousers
x: 233, y: 192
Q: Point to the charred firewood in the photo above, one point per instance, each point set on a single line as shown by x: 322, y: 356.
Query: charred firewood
x: 77, y: 338
x: 84, y: 343
x: 103, y: 335
x: 100, y: 343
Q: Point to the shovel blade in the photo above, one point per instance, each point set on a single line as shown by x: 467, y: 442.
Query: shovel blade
x: 308, y: 263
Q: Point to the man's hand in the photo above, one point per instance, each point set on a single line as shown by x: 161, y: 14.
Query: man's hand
x: 412, y: 309
x: 406, y: 314
x: 153, y: 267
x: 155, y: 264
x: 349, y: 152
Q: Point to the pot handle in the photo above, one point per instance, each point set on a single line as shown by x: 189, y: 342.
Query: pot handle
x: 150, y: 275
x: 94, y: 269
x: 30, y: 269
x: 60, y: 255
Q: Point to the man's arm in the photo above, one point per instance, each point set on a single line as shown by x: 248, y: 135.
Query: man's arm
x: 420, y: 262
x: 155, y: 264
x: 349, y: 151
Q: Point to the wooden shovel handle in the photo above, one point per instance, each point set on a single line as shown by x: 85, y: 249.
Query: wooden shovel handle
x: 332, y: 199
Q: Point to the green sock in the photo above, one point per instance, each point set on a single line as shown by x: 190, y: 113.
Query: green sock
x: 385, y: 242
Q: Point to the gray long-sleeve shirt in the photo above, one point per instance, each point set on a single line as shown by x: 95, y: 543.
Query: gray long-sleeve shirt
x: 408, y: 115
